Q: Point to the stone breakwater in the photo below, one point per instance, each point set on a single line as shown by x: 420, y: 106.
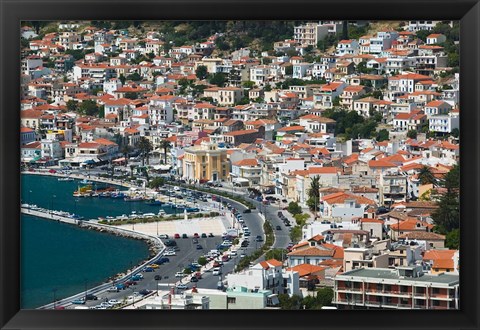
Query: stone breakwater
x: 155, y: 246
x: 153, y: 243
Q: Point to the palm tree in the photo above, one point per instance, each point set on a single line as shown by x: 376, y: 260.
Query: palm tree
x: 426, y: 176
x: 165, y: 145
x: 145, y: 147
x: 125, y: 150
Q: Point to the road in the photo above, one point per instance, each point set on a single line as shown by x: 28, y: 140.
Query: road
x: 188, y: 253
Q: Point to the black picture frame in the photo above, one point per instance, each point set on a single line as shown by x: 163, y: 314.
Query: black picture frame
x: 12, y: 12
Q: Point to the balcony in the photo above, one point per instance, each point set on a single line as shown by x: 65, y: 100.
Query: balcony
x: 345, y: 289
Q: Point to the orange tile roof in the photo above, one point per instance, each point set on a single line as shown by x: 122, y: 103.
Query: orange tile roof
x: 312, y: 251
x: 88, y: 145
x: 435, y: 103
x: 381, y: 163
x: 341, y: 197
x: 306, y: 269
x: 410, y: 224
x: 247, y: 162
x: 291, y: 128
x: 242, y: 132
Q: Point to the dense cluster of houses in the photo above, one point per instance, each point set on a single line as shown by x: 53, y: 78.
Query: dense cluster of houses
x: 273, y: 139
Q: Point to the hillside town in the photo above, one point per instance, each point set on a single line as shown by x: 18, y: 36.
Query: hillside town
x: 350, y: 129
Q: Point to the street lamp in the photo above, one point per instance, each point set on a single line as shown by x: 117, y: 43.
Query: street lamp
x: 51, y: 204
x: 85, y: 280
x: 54, y: 298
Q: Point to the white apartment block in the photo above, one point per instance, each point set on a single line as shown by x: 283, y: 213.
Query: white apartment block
x: 310, y: 33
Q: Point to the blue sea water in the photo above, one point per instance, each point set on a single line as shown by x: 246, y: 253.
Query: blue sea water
x: 48, y: 192
x: 66, y: 258
x: 62, y: 258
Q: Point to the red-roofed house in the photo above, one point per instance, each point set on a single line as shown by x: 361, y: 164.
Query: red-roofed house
x: 350, y: 94
x: 345, y: 206
x: 439, y: 107
x: 244, y: 136
x: 246, y: 172
x: 442, y: 261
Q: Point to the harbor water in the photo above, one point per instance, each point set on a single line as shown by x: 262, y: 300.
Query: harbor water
x: 59, y: 260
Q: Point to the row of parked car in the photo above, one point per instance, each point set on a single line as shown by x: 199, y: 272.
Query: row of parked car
x: 284, y: 219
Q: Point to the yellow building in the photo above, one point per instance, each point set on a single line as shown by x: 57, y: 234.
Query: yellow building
x: 205, y: 162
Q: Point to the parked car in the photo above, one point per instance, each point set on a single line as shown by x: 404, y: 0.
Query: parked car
x: 79, y: 301
x: 91, y: 297
x: 179, y: 274
x: 278, y: 228
x: 193, y: 279
x: 144, y: 292
x: 199, y: 247
x: 195, y: 235
x: 113, y: 302
x: 204, y: 235
x: 157, y: 278
x: 170, y: 242
x: 176, y: 236
x: 247, y: 211
x: 211, y: 235
x: 182, y: 287
x: 163, y: 236
x: 259, y: 238
x: 112, y: 289
x: 184, y: 236
x: 148, y: 269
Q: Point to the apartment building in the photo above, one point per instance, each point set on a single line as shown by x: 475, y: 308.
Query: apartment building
x: 399, y: 288
x: 310, y: 33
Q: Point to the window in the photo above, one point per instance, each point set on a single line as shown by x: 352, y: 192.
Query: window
x: 231, y: 300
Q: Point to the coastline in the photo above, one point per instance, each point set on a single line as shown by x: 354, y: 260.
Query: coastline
x: 155, y: 246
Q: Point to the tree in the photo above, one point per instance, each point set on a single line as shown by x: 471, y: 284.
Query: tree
x: 324, y: 296
x: 314, y: 194
x: 294, y: 208
x: 131, y: 95
x: 72, y: 105
x: 426, y: 176
x: 382, y: 135
x: 122, y: 79
x: 202, y: 261
x: 447, y: 216
x: 218, y: 79
x: 277, y: 254
x: 412, y: 134
x: 287, y: 302
x: 157, y: 182
x: 336, y: 101
x: 165, y: 145
x: 125, y: 150
x: 145, y: 146
x: 134, y: 77
x: 296, y: 234
x: 452, y: 239
x: 248, y: 84
x: 455, y: 132
x: 289, y: 70
x: 345, y: 30
x: 201, y: 72
x: 89, y: 108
